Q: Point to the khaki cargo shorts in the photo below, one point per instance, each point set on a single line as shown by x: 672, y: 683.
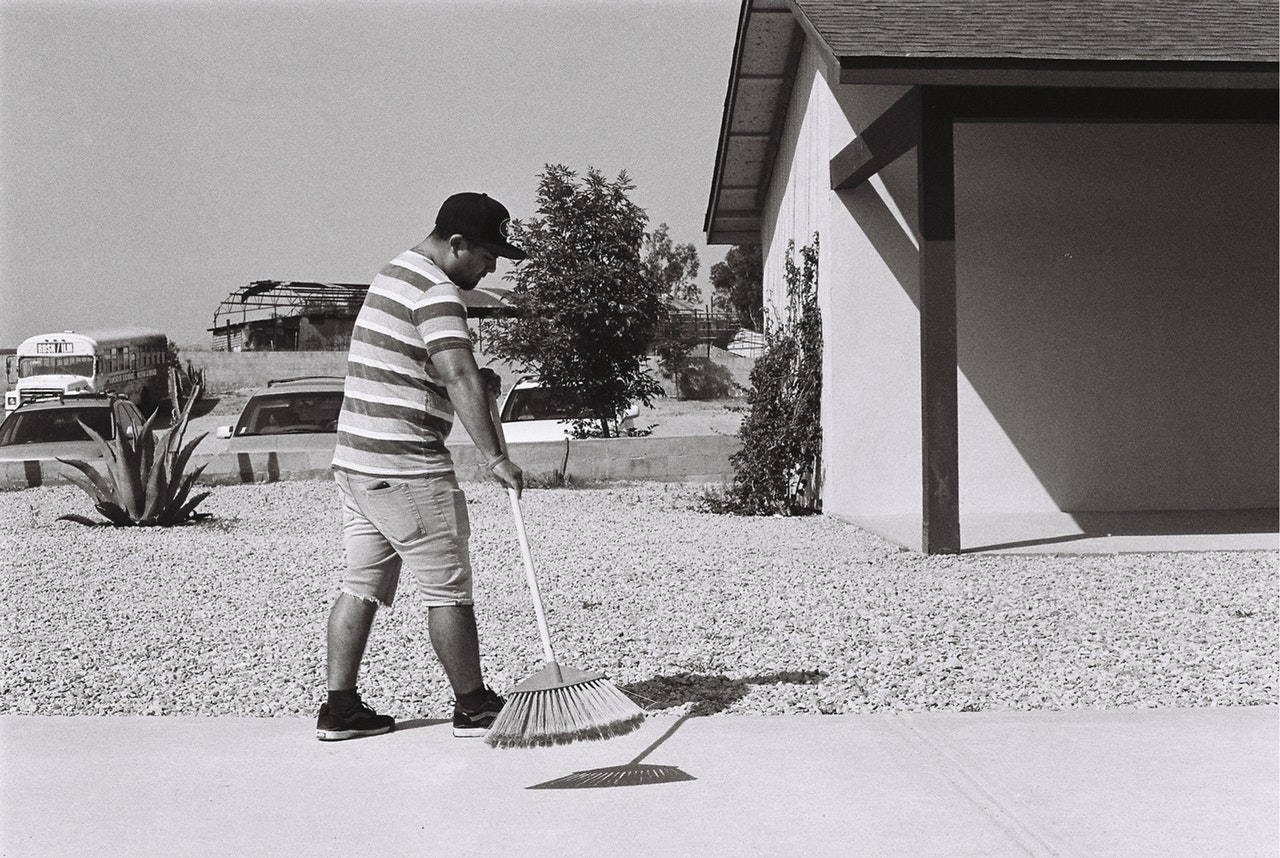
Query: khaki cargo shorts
x: 419, y: 523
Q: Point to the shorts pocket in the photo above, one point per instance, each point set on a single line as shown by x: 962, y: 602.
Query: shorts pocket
x: 453, y: 507
x: 392, y: 510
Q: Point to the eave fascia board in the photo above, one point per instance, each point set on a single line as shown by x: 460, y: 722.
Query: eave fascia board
x: 941, y: 71
x: 1091, y: 104
x: 722, y: 237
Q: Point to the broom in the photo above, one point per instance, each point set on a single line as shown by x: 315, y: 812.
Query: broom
x: 558, y: 704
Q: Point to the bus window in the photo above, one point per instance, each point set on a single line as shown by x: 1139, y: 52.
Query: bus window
x: 50, y: 365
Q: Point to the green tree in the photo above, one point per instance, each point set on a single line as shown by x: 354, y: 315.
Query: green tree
x: 587, y: 314
x: 672, y: 266
x: 671, y: 269
x: 737, y: 285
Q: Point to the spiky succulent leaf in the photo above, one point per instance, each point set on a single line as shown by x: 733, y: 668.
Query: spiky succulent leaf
x: 157, y: 490
x: 110, y: 455
x: 95, y: 486
x: 185, y: 489
x: 146, y: 461
x: 130, y: 476
x: 150, y: 423
x: 78, y: 519
x: 188, y: 510
x: 184, y: 455
x: 180, y: 426
x: 115, y: 514
x: 119, y: 465
x: 104, y: 446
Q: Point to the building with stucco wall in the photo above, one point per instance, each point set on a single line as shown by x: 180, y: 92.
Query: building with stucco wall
x: 1048, y: 270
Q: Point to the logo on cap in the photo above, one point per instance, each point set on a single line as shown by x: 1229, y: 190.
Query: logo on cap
x: 504, y: 229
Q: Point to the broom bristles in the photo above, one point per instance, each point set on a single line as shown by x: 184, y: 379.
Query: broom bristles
x: 557, y: 716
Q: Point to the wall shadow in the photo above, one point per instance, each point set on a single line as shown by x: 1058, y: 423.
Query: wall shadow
x: 1117, y: 312
x: 891, y: 242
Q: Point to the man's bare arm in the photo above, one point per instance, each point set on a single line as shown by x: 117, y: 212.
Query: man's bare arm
x: 470, y: 397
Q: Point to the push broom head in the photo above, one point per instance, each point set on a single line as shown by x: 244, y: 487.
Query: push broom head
x: 559, y: 705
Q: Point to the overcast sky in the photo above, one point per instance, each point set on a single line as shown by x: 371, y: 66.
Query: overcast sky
x: 156, y: 156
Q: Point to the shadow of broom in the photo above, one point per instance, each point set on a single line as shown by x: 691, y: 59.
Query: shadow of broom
x: 708, y: 694
x: 634, y: 773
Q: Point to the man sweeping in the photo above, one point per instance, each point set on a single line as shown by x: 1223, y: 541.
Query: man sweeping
x: 410, y: 370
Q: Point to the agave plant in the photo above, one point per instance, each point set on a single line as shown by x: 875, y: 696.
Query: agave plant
x: 145, y: 484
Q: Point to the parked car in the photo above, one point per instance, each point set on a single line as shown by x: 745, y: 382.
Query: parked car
x: 530, y: 412
x: 50, y: 428
x: 287, y: 414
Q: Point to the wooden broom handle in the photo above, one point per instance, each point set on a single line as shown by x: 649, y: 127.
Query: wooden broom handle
x: 533, y: 581
x: 525, y: 554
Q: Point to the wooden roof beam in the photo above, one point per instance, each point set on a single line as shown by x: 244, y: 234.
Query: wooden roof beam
x: 894, y: 133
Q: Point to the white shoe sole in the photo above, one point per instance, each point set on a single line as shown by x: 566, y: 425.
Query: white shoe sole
x: 339, y: 735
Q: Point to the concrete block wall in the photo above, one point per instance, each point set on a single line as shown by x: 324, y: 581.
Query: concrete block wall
x: 700, y: 458
x: 227, y: 371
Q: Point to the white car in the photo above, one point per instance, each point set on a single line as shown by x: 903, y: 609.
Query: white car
x: 288, y: 414
x: 529, y: 413
x: 50, y: 428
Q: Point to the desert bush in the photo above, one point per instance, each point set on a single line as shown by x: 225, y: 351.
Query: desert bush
x: 704, y: 379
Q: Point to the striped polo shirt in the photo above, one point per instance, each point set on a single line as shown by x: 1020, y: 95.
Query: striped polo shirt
x: 396, y: 412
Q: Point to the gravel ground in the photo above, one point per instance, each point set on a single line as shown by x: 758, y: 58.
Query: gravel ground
x: 687, y: 611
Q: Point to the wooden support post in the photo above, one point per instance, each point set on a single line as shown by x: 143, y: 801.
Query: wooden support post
x: 938, y: 365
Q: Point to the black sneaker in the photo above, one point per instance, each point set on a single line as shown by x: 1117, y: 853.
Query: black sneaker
x: 361, y: 721
x: 477, y: 722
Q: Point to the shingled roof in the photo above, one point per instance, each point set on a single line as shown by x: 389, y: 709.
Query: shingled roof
x: 1099, y: 30
x: 1174, y: 45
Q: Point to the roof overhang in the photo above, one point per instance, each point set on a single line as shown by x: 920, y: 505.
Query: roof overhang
x: 765, y: 58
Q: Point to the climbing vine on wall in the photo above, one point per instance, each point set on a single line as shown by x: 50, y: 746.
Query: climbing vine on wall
x: 778, y: 469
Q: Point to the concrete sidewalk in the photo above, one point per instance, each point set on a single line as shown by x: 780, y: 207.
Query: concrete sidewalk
x: 1198, y: 782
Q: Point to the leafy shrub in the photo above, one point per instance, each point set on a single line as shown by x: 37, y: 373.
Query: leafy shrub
x: 704, y: 379
x: 777, y: 471
x: 144, y: 485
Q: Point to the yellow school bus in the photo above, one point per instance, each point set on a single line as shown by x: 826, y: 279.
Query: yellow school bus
x: 130, y: 362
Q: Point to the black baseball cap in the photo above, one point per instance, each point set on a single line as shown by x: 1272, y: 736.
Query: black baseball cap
x: 479, y: 218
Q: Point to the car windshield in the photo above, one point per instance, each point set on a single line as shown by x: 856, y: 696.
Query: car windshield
x: 538, y: 403
x: 55, y: 424
x: 287, y: 413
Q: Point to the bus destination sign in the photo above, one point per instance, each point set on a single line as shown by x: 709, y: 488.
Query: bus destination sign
x: 55, y: 348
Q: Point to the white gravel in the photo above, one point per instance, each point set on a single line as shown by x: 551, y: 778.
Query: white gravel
x: 689, y: 611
